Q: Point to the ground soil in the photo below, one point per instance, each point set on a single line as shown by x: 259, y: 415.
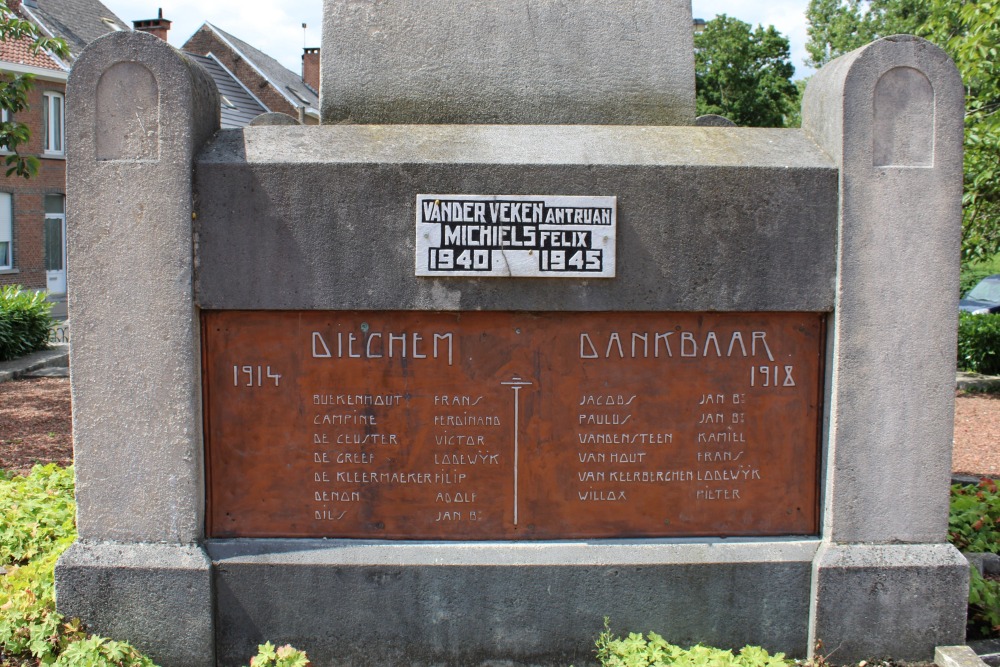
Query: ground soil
x: 35, y: 427
x: 35, y: 424
x: 977, y: 434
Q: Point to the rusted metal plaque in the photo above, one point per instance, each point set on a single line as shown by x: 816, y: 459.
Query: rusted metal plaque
x: 499, y: 425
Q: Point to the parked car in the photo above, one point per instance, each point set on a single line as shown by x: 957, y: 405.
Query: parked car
x: 983, y: 298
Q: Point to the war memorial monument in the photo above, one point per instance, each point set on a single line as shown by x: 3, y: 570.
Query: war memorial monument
x: 509, y: 344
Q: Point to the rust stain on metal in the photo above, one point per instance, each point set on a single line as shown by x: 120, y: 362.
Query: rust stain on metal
x: 500, y: 425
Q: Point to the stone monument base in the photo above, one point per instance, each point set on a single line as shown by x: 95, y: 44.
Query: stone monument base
x: 158, y: 594
x: 898, y: 600
x: 504, y: 603
x: 540, y: 603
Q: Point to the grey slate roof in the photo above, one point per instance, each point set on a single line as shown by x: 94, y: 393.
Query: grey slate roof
x: 79, y: 22
x: 287, y: 82
x: 242, y: 106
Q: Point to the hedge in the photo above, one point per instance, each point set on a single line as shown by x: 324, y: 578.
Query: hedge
x: 25, y: 319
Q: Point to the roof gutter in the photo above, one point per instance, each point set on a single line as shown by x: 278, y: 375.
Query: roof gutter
x: 41, y: 73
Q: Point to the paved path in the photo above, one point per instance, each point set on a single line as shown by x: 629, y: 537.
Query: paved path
x: 55, y: 357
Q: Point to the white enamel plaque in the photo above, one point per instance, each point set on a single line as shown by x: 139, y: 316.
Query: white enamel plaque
x: 520, y: 236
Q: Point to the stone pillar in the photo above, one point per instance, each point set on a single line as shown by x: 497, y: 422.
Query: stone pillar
x: 139, y: 111
x: 586, y: 62
x: 884, y: 580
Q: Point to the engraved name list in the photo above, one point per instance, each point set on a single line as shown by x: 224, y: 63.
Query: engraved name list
x: 420, y: 425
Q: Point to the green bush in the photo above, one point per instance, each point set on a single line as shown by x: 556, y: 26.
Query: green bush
x: 100, y: 652
x: 25, y: 319
x: 979, y: 343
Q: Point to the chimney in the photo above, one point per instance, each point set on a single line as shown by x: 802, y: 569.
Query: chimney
x: 158, y: 26
x: 310, y: 67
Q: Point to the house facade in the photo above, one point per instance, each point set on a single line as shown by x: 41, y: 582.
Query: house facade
x: 33, y: 211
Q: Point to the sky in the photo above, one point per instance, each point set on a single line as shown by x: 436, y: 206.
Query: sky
x: 275, y: 27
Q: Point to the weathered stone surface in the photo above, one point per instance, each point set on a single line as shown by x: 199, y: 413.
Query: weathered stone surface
x: 892, y: 367
x: 709, y: 219
x: 537, y: 604
x: 898, y: 601
x: 157, y: 596
x: 986, y: 563
x: 135, y: 359
x: 323, y: 217
x: 957, y: 656
x: 713, y: 120
x: 480, y: 61
x: 273, y: 118
x: 135, y: 349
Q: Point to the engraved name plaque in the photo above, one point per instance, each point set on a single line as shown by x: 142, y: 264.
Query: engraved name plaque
x: 516, y: 236
x: 509, y: 425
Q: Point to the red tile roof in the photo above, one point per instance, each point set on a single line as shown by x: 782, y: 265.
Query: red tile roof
x: 19, y: 51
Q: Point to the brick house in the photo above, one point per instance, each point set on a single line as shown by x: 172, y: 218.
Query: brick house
x: 33, y: 211
x: 270, y: 82
x: 239, y: 106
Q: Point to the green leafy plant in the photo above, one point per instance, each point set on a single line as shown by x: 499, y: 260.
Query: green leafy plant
x: 25, y: 319
x: 979, y: 343
x: 285, y: 656
x: 974, y: 527
x: 653, y: 650
x: 29, y: 623
x: 100, y: 652
x: 36, y: 526
x: 984, y: 605
x: 974, y: 519
x: 36, y: 514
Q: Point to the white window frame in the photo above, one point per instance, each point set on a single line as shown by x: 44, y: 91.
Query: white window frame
x: 7, y: 230
x: 61, y: 218
x: 4, y: 117
x: 54, y: 125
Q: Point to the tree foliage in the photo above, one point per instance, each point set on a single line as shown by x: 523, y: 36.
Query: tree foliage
x: 837, y: 27
x: 970, y: 32
x: 14, y: 89
x: 744, y: 73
